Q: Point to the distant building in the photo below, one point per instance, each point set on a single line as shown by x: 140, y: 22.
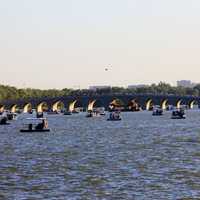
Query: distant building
x: 95, y: 88
x: 186, y: 83
x: 136, y: 86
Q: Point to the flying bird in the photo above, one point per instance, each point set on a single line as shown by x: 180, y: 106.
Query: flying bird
x: 107, y: 69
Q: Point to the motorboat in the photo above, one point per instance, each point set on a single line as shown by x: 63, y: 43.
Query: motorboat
x: 75, y: 112
x: 35, y: 125
x: 67, y: 113
x: 178, y: 114
x: 114, y: 116
x: 103, y: 113
x: 93, y: 114
x: 53, y: 113
x: 3, y: 120
x: 157, y: 112
x: 11, y: 116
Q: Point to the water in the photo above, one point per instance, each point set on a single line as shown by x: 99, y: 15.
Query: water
x: 140, y: 157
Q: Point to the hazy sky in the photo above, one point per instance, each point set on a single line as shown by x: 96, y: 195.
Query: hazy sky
x: 69, y: 43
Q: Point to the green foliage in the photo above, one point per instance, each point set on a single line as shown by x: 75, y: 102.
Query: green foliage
x: 7, y: 92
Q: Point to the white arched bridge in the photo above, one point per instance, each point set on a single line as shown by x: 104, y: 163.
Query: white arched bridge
x: 124, y: 102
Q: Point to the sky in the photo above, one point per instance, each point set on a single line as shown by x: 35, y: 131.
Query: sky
x: 69, y: 43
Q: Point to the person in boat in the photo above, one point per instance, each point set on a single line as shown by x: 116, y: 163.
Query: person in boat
x: 40, y: 115
x: 181, y: 112
x: 115, y: 115
x: 30, y: 127
x: 3, y: 120
x: 42, y: 125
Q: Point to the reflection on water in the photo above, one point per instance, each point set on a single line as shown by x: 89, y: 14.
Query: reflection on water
x: 140, y: 157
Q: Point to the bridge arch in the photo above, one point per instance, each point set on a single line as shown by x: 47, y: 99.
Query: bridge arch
x: 75, y: 105
x: 72, y: 106
x: 94, y: 105
x: 149, y: 104
x: 192, y: 103
x: 91, y: 105
x: 2, y: 107
x: 27, y: 108
x: 179, y: 103
x: 165, y: 104
x: 14, y: 108
x: 42, y: 107
x: 58, y: 106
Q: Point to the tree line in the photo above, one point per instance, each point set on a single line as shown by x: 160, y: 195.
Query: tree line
x: 13, y: 93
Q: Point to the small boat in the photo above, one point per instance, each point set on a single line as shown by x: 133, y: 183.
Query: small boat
x: 11, y: 116
x: 93, y: 114
x: 52, y: 113
x: 67, y: 113
x: 114, y: 119
x: 35, y: 125
x: 34, y: 130
x: 89, y: 115
x: 178, y: 114
x: 3, y: 120
x: 114, y: 116
x: 103, y: 113
x: 75, y: 112
x: 157, y: 112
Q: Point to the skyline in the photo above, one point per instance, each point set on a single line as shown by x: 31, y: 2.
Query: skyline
x: 59, y: 44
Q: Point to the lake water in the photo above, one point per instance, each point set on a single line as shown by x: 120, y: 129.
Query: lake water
x: 140, y: 157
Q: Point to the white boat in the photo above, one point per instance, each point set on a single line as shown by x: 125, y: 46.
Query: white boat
x: 157, y: 111
x: 35, y: 125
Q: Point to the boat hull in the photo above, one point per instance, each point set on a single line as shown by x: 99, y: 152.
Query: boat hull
x: 178, y: 117
x: 32, y: 131
x: 4, y: 124
x: 114, y: 119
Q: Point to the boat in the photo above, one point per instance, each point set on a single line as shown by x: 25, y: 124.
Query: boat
x: 11, y: 116
x: 114, y: 116
x: 89, y: 114
x: 3, y: 120
x: 67, y: 113
x: 157, y: 112
x: 34, y: 130
x: 75, y: 112
x: 103, y: 113
x: 114, y: 119
x: 93, y: 114
x: 35, y: 125
x: 53, y: 113
x: 178, y: 114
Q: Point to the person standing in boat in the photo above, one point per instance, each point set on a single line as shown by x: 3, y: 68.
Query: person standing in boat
x: 42, y: 125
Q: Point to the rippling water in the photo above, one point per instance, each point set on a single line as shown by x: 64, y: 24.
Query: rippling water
x: 140, y: 157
